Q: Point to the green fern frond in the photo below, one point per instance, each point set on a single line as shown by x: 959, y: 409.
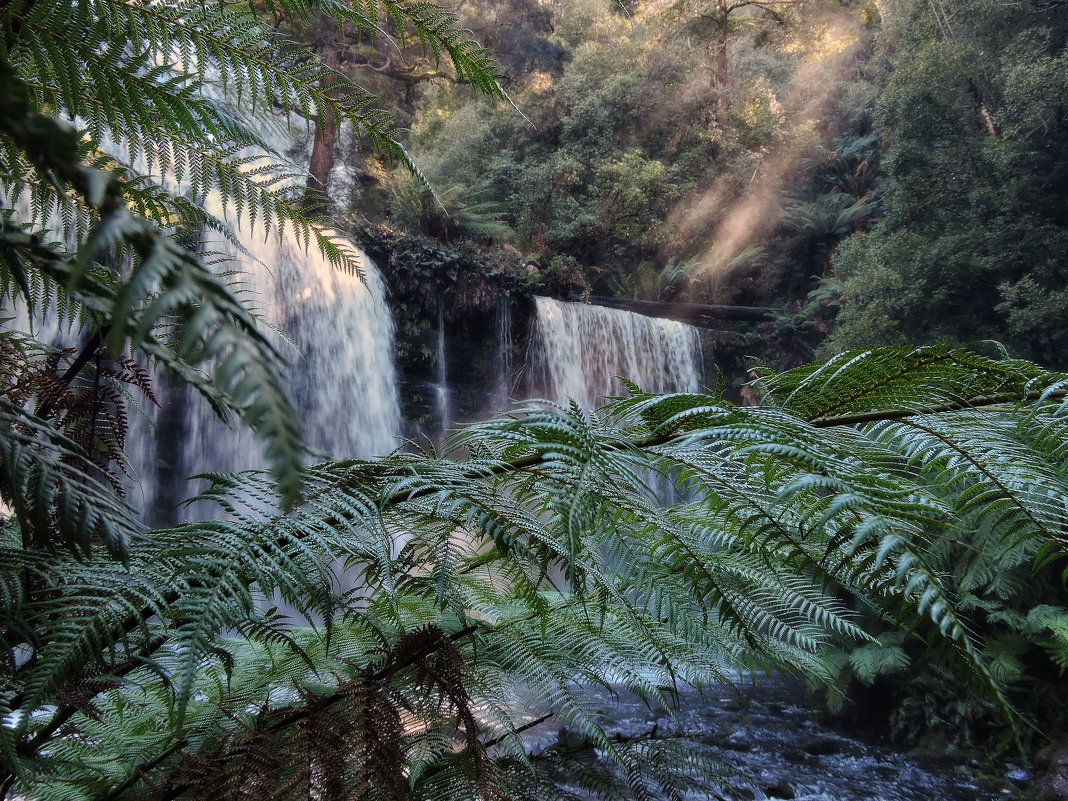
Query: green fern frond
x: 875, y: 659
x: 550, y: 563
x: 52, y: 488
x: 136, y: 76
x: 905, y: 380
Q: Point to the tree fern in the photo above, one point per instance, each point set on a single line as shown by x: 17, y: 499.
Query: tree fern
x: 547, y: 562
x: 168, y: 103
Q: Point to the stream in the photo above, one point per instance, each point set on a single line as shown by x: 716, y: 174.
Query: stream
x: 778, y: 748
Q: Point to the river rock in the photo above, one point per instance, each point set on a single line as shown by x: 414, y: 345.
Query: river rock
x: 1052, y: 785
x: 1045, y: 755
x: 934, y: 748
x: 780, y: 789
x: 571, y: 740
x: 820, y: 745
x: 1017, y: 776
x: 937, y: 756
x: 656, y: 714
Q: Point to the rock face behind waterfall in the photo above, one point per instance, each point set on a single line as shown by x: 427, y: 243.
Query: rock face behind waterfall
x: 336, y: 333
x: 580, y: 351
x: 1052, y: 785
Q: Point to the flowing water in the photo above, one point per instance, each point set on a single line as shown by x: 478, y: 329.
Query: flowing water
x: 503, y: 378
x: 772, y: 746
x: 441, y: 387
x: 336, y: 332
x: 579, y: 351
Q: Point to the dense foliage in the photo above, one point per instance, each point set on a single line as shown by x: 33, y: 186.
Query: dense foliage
x: 902, y: 162
x: 975, y: 229
x: 637, y: 158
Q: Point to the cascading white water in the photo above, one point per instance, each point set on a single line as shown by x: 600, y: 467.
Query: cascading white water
x: 441, y: 387
x: 578, y: 351
x: 340, y: 377
x: 504, y: 351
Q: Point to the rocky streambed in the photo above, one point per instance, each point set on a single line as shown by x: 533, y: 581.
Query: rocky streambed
x: 776, y: 748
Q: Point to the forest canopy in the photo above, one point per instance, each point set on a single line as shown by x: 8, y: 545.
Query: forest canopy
x: 882, y: 172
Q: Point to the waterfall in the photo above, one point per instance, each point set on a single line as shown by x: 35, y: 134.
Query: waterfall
x: 578, y: 351
x: 503, y: 386
x: 441, y: 385
x: 334, y: 330
x: 336, y: 333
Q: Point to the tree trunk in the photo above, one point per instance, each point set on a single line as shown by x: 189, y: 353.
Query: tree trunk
x: 720, y: 52
x: 983, y: 109
x: 322, y: 155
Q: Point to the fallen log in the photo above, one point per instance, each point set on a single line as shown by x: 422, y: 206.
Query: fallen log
x: 699, y: 314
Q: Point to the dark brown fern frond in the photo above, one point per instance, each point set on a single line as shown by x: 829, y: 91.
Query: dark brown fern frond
x: 85, y: 395
x: 328, y: 749
x: 444, y: 670
x: 92, y: 412
x: 254, y: 763
x: 48, y: 383
x: 83, y: 692
x: 321, y: 771
x: 349, y: 745
x: 15, y: 371
x: 377, y: 734
x: 127, y: 371
x: 440, y: 669
x: 242, y: 766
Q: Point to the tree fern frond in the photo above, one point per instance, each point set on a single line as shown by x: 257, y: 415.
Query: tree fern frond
x: 907, y: 380
x: 992, y: 477
x: 52, y: 489
x: 874, y: 659
x: 549, y: 562
x: 166, y: 280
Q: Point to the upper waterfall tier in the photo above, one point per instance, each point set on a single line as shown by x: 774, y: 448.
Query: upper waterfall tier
x: 579, y: 351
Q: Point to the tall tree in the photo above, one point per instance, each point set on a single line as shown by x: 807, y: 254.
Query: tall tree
x: 717, y: 20
x: 400, y: 54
